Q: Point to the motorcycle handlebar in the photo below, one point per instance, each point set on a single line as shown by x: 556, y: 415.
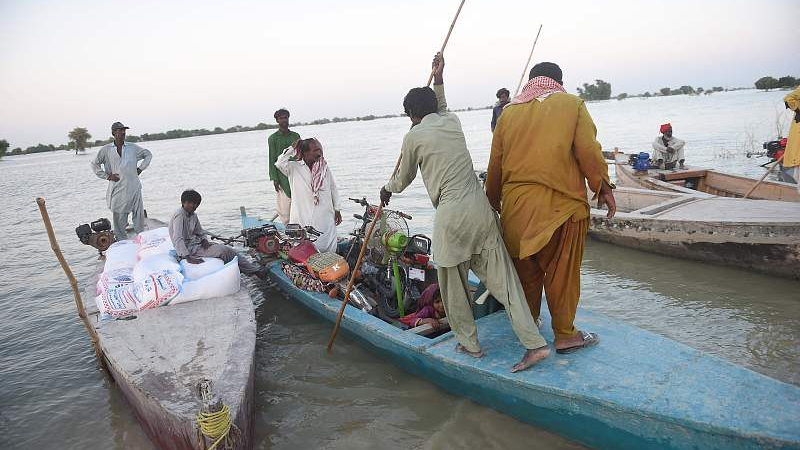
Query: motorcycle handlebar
x: 312, y: 230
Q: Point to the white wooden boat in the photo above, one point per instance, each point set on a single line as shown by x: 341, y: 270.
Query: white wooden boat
x: 159, y: 358
x: 762, y: 236
x: 692, y: 180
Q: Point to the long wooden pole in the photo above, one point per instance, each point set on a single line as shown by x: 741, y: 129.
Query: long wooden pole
x: 525, y: 69
x: 378, y: 213
x: 72, y: 281
x: 447, y: 38
x: 775, y: 164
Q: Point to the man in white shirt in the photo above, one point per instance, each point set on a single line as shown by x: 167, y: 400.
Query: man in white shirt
x: 667, y: 149
x: 120, y: 166
x: 315, y: 198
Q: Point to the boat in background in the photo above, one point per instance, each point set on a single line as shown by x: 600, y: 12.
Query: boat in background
x: 636, y: 390
x: 160, y: 357
x: 757, y: 235
x: 692, y: 180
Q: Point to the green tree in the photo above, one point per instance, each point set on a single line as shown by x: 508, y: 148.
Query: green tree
x: 622, y: 96
x: 80, y: 136
x: 665, y: 91
x: 647, y: 94
x: 686, y: 90
x: 600, y: 90
x: 717, y: 89
x: 788, y: 82
x: 766, y: 83
x: 3, y: 147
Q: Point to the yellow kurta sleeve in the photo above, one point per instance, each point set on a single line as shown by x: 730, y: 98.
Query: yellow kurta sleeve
x: 791, y: 156
x: 588, y: 152
x: 494, y: 173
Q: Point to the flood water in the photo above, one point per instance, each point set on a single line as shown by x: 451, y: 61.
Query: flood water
x: 54, y: 395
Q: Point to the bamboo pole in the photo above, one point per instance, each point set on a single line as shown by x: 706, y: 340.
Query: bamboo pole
x: 378, y: 213
x: 72, y: 281
x: 525, y: 69
x: 447, y: 38
x: 775, y: 164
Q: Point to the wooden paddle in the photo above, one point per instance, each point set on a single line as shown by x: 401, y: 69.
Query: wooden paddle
x: 525, y: 69
x: 72, y: 281
x: 775, y: 164
x: 378, y: 213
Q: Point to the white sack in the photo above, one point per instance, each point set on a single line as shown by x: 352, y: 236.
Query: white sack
x: 221, y: 283
x: 153, y: 242
x: 121, y: 255
x: 117, y: 302
x: 113, y: 278
x: 158, y: 289
x: 195, y: 271
x: 155, y: 264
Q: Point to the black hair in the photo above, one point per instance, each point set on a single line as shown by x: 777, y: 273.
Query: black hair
x: 420, y: 102
x: 304, y: 144
x: 547, y: 69
x: 502, y: 91
x: 190, y: 195
x: 280, y: 112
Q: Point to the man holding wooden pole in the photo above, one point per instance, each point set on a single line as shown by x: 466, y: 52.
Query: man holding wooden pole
x: 466, y: 234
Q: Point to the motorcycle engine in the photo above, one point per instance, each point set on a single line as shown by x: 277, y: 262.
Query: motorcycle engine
x: 98, y: 234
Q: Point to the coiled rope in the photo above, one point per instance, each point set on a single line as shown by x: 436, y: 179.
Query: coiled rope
x: 214, y: 421
x: 216, y: 426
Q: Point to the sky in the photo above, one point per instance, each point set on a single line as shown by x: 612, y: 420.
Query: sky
x: 161, y: 65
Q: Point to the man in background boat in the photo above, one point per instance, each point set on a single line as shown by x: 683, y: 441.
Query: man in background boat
x: 465, y: 230
x: 120, y: 166
x: 502, y: 101
x: 791, y: 156
x: 544, y: 151
x: 278, y: 141
x: 667, y: 149
x: 316, y: 198
x: 189, y: 238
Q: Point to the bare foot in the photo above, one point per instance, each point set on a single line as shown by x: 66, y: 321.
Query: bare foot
x: 531, y: 357
x: 462, y: 349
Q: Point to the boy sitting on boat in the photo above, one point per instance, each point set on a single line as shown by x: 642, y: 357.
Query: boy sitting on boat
x: 189, y: 238
x: 667, y: 149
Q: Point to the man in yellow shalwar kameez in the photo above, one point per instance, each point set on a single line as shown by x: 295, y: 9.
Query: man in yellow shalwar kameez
x: 791, y: 157
x: 544, y: 151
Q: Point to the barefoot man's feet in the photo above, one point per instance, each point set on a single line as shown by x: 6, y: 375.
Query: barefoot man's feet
x: 531, y: 357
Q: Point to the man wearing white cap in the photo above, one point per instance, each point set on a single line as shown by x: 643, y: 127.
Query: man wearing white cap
x: 120, y: 161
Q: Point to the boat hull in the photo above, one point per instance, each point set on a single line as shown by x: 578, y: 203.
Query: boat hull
x: 707, y: 181
x: 607, y: 421
x: 706, y: 242
x: 158, y: 358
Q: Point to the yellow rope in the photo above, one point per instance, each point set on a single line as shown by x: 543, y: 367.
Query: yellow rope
x: 216, y: 426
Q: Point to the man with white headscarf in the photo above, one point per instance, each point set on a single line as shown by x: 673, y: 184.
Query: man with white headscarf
x: 120, y: 166
x: 315, y: 197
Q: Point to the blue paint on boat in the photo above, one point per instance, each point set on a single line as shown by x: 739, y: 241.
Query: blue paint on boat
x: 636, y: 390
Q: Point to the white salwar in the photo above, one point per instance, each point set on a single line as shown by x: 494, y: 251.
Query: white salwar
x: 123, y: 197
x: 660, y: 150
x: 303, y: 211
x: 284, y: 206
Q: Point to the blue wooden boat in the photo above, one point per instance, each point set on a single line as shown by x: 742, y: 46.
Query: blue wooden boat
x: 636, y: 390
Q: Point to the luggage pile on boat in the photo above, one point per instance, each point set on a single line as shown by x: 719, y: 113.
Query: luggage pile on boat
x: 144, y: 273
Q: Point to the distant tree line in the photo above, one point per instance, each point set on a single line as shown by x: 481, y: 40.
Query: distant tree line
x: 80, y: 137
x: 601, y: 90
x: 767, y: 83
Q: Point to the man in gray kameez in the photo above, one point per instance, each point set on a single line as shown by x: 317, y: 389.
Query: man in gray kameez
x: 120, y: 161
x: 189, y: 238
x: 466, y: 234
